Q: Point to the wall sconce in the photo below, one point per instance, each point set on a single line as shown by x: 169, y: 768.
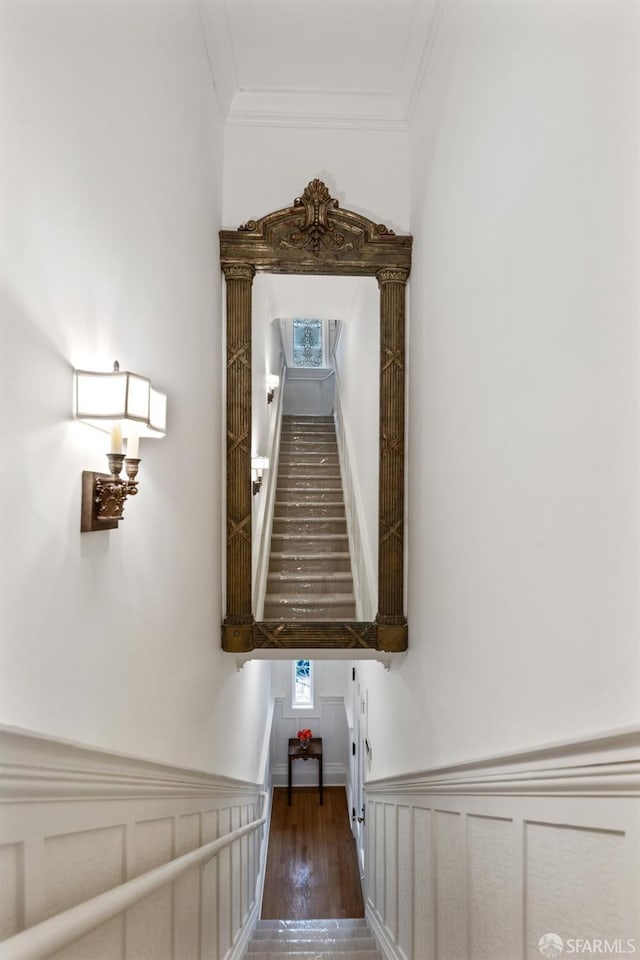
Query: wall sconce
x: 125, y: 405
x: 258, y: 464
x: 273, y: 382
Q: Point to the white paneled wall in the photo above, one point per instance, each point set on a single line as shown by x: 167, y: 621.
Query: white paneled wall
x: 76, y: 822
x: 483, y: 860
x: 329, y: 721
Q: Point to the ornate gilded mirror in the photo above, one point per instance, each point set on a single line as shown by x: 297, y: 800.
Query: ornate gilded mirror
x: 315, y: 237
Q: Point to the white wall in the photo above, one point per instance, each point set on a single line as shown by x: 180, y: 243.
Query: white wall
x: 327, y: 719
x: 110, y: 203
x: 358, y: 399
x: 354, y: 164
x: 523, y: 417
x: 266, y: 358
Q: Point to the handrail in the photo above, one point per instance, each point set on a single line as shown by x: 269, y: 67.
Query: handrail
x: 48, y: 937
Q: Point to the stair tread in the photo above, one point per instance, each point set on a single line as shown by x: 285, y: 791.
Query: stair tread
x: 309, y: 599
x: 303, y: 519
x: 333, y: 923
x: 324, y: 577
x: 297, y: 941
x: 310, y: 503
x: 316, y: 954
x: 305, y: 536
x: 312, y: 555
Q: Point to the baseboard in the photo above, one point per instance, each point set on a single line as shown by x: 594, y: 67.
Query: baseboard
x: 334, y: 775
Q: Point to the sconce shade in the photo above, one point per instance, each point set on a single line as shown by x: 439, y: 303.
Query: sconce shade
x: 273, y: 381
x: 259, y: 463
x: 104, y: 399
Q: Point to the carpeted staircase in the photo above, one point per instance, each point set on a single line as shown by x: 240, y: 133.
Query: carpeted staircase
x: 312, y: 940
x: 310, y: 569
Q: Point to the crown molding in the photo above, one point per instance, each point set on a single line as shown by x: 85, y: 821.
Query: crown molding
x: 427, y: 20
x: 319, y: 109
x: 217, y: 39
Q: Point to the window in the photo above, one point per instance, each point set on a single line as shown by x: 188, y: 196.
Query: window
x: 307, y: 343
x: 302, y: 697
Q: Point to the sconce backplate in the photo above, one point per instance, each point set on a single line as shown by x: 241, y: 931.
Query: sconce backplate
x: 89, y: 520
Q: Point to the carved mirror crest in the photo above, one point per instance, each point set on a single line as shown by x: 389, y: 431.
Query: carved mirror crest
x: 315, y: 236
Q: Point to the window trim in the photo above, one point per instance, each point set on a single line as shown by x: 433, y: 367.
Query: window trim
x: 302, y: 706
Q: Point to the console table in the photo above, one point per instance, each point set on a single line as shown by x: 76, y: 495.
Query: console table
x: 313, y: 752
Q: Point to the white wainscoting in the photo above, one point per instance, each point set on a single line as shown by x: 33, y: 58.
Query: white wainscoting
x: 482, y: 860
x: 75, y: 822
x: 329, y: 721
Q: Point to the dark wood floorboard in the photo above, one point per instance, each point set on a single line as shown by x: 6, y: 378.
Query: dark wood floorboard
x: 312, y: 867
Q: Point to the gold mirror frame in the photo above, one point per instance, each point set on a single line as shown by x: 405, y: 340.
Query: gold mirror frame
x: 315, y: 236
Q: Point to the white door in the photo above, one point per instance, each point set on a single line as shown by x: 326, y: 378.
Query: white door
x: 358, y: 766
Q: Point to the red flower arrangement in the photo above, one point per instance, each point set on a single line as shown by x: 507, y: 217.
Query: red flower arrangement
x: 304, y: 736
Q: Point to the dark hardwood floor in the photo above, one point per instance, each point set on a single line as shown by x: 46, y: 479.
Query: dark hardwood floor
x: 312, y: 868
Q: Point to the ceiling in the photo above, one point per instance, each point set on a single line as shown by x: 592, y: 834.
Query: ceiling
x: 351, y: 62
x: 304, y: 296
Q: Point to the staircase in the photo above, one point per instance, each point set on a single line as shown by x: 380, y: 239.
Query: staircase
x: 310, y: 569
x: 313, y: 940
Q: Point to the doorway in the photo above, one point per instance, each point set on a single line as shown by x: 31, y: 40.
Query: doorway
x: 316, y: 852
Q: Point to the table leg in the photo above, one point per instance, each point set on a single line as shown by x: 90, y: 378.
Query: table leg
x: 320, y: 761
x: 289, y: 795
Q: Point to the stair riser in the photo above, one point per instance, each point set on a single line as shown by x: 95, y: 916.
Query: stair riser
x: 317, y: 955
x: 302, y: 445
x: 275, y: 585
x: 300, y: 526
x: 311, y: 488
x: 305, y: 440
x: 301, y: 611
x: 324, y: 430
x: 308, y: 510
x: 317, y: 565
x: 308, y: 458
x: 281, y: 543
x: 318, y: 471
x: 306, y: 422
x: 293, y: 944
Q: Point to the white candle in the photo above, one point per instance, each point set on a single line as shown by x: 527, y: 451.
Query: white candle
x: 132, y: 447
x: 116, y: 439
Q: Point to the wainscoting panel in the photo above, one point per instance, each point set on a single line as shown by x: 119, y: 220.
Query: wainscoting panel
x: 491, y: 884
x: 577, y: 873
x: 11, y: 900
x: 483, y: 860
x: 76, y: 822
x: 421, y: 879
x: 450, y: 887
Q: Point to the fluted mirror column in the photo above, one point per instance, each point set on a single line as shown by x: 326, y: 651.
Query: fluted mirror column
x: 238, y: 623
x: 392, y: 623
